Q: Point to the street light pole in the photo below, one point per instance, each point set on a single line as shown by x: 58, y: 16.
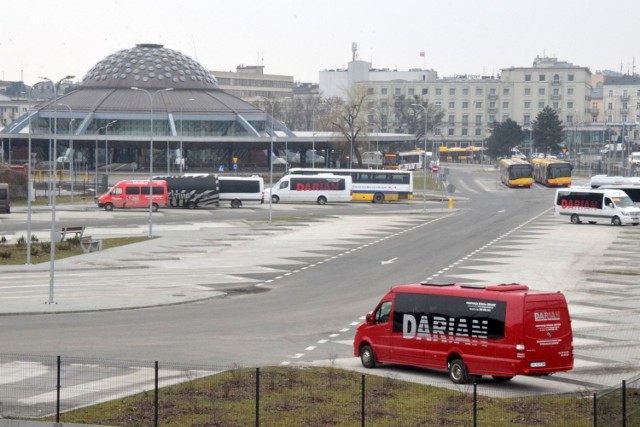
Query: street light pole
x: 71, y: 168
x: 150, y: 95
x: 424, y: 160
x: 52, y: 157
x: 377, y: 140
x: 106, y: 153
x: 29, y: 191
x: 181, y: 121
x: 272, y: 104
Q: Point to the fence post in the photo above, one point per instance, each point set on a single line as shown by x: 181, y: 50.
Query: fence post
x: 595, y: 409
x: 58, y: 375
x: 155, y: 396
x: 624, y: 403
x: 362, y: 405
x: 257, y: 397
x: 475, y: 404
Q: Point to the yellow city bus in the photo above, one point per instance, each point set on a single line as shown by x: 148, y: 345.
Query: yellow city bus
x: 516, y: 173
x: 459, y: 154
x: 552, y: 172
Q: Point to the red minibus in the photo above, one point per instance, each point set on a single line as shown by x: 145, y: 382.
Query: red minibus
x: 469, y: 330
x: 135, y: 194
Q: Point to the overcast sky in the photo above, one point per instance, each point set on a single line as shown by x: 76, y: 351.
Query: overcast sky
x: 299, y: 38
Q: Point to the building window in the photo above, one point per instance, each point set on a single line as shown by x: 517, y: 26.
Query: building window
x: 438, y: 104
x: 492, y: 118
x: 569, y: 119
x: 398, y: 91
x: 465, y: 120
x: 478, y: 132
x: 492, y: 104
x: 465, y: 132
x: 451, y: 132
x: 452, y: 104
x: 610, y: 106
x: 541, y: 77
x: 570, y: 105
x: 505, y: 91
x: 384, y: 105
x: 437, y: 131
x: 478, y: 91
x: 609, y: 119
x: 370, y: 91
x: 556, y: 91
x: 541, y: 91
x: 570, y: 91
x: 384, y: 91
x: 452, y: 91
x: 527, y: 91
x: 527, y: 120
x: 492, y: 91
x: 505, y: 104
x: 505, y: 117
x: 425, y: 91
x: 570, y: 77
x: 452, y: 119
x: 465, y: 104
x: 610, y: 92
x: 540, y: 105
x: 527, y: 105
x: 478, y: 119
x: 478, y: 104
x: 465, y: 91
x: 527, y: 77
x: 556, y: 78
x: 370, y: 105
x: 438, y: 91
x: 412, y: 91
x: 556, y: 106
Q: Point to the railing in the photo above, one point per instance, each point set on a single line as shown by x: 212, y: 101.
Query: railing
x: 135, y: 393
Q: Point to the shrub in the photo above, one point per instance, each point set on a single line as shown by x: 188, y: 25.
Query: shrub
x: 46, y: 246
x: 6, y: 254
x: 21, y: 243
x: 3, y: 240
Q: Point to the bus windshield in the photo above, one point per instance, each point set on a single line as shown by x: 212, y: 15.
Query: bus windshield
x: 623, y: 202
x: 520, y: 171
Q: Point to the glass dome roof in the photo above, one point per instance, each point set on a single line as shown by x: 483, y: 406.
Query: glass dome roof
x: 149, y: 66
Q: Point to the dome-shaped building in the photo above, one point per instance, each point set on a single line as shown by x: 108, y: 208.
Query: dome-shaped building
x: 147, y: 96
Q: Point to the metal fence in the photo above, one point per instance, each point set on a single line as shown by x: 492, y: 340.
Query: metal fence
x: 134, y: 393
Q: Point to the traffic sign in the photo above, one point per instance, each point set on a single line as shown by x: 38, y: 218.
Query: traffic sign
x: 435, y: 169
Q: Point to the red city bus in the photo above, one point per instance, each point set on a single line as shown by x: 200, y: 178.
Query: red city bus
x: 468, y: 330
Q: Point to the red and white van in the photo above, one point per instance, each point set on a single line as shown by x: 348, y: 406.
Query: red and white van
x: 468, y: 330
x: 135, y: 194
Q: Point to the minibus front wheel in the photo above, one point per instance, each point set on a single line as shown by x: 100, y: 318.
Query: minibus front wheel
x: 368, y: 357
x: 458, y: 372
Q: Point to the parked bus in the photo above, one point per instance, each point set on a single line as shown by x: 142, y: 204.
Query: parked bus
x: 459, y: 154
x: 372, y: 159
x: 131, y: 194
x: 192, y: 191
x: 5, y: 202
x: 241, y: 189
x: 498, y: 330
x: 406, y: 160
x: 552, y: 172
x: 600, y: 205
x: 371, y: 185
x: 516, y: 173
x: 320, y: 188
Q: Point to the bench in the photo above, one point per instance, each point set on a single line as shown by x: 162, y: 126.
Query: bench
x: 77, y: 230
x: 88, y: 244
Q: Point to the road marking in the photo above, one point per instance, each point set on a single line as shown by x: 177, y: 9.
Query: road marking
x: 390, y: 261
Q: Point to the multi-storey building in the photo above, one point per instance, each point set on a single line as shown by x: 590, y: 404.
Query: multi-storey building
x: 621, y: 104
x: 249, y: 82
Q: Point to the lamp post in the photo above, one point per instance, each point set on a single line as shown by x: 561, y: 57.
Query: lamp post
x: 52, y: 157
x: 29, y: 191
x: 424, y: 160
x: 71, y: 165
x: 181, y: 121
x: 272, y: 104
x: 377, y: 140
x: 151, y: 95
x: 106, y: 152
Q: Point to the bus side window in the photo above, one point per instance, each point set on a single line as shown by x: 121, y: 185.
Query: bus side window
x: 382, y: 314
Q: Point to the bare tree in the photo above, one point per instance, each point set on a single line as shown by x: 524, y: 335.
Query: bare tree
x: 350, y: 123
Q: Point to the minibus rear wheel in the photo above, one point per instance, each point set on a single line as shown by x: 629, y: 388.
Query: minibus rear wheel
x: 575, y: 219
x: 322, y: 200
x: 368, y: 357
x: 458, y: 372
x: 154, y: 207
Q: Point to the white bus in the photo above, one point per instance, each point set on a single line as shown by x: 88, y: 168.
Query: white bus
x: 371, y: 185
x: 320, y: 188
x: 241, y: 189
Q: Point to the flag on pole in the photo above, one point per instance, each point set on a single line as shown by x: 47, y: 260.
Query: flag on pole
x: 422, y: 53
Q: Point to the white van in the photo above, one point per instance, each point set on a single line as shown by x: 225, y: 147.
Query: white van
x: 320, y: 188
x: 241, y: 189
x: 613, y: 206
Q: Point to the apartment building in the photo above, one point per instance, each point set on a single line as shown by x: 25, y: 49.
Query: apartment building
x: 621, y: 104
x: 250, y: 82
